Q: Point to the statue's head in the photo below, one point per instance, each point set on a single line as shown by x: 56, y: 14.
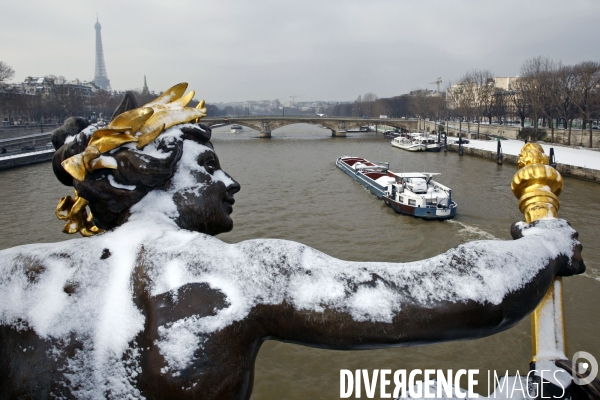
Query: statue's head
x: 159, y: 148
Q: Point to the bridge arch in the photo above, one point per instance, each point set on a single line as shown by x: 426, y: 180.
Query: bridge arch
x: 338, y: 125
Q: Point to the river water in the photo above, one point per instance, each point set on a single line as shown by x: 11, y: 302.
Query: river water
x: 292, y: 190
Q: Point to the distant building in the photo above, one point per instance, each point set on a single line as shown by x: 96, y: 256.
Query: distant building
x: 43, y: 87
x: 46, y: 87
x: 505, y: 83
x: 423, y: 92
x: 86, y: 89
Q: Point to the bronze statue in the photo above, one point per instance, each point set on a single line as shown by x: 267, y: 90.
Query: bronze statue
x: 157, y: 307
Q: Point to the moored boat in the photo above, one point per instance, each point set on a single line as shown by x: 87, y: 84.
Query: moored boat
x: 409, y: 144
x: 430, y: 141
x: 412, y: 193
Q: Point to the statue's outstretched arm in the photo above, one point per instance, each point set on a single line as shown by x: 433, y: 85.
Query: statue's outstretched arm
x: 300, y: 295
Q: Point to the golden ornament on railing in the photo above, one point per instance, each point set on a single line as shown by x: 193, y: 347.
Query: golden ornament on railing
x: 75, y: 213
x: 537, y: 186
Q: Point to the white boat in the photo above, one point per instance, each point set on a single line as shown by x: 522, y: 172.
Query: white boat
x: 430, y: 141
x: 417, y: 194
x: 409, y: 144
x: 236, y: 128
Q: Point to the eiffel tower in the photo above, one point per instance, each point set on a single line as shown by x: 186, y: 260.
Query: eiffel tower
x: 100, y: 77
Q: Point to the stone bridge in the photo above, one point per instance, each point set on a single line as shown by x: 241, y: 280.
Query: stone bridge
x: 338, y: 125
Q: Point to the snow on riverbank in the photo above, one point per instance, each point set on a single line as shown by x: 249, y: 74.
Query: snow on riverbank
x: 578, y: 157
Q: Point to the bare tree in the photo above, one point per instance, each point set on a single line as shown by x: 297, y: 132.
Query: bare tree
x: 418, y: 106
x: 547, y: 82
x: 6, y: 72
x: 58, y: 80
x: 356, y: 111
x: 586, y: 96
x: 539, y: 87
x: 453, y: 101
x: 436, y: 107
x: 381, y: 108
x: 369, y: 100
x: 68, y: 102
x: 462, y: 97
x: 6, y: 95
x: 101, y: 101
x: 499, y: 104
x: 518, y: 101
x: 563, y: 97
x: 530, y: 85
x: 481, y: 84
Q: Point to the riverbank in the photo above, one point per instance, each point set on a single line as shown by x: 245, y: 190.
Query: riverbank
x: 19, y: 160
x: 574, y: 162
x: 16, y: 131
x: 471, y: 131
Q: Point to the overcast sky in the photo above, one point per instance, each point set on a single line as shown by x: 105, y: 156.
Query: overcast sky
x: 235, y: 50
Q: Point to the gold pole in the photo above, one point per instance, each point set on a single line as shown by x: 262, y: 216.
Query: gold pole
x: 537, y: 186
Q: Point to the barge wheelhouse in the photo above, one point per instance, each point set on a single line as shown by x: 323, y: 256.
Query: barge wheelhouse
x: 417, y: 194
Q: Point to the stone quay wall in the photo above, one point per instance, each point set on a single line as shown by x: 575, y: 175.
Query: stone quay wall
x: 512, y: 132
x: 588, y: 174
x: 13, y: 131
x: 26, y: 159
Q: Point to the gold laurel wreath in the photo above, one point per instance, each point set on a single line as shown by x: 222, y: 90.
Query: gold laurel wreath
x: 142, y: 126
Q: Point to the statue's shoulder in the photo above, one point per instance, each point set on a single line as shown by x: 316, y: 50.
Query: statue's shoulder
x: 42, y: 256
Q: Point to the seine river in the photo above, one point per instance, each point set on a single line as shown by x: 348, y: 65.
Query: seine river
x: 292, y: 190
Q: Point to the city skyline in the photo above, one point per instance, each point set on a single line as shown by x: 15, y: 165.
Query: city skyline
x: 236, y: 51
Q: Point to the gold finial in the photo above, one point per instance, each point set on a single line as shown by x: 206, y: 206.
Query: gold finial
x: 536, y: 185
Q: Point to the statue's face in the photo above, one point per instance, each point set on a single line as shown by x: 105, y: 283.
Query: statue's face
x: 204, y: 195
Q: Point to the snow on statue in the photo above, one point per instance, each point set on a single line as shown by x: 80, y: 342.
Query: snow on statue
x: 155, y: 306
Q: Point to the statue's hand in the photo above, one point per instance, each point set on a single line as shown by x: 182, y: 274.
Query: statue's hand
x: 567, y: 266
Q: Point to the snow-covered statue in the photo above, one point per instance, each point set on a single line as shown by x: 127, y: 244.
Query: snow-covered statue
x: 152, y: 305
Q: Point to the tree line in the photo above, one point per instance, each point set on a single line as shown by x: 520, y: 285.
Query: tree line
x: 548, y: 92
x: 57, y: 100
x: 369, y: 105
